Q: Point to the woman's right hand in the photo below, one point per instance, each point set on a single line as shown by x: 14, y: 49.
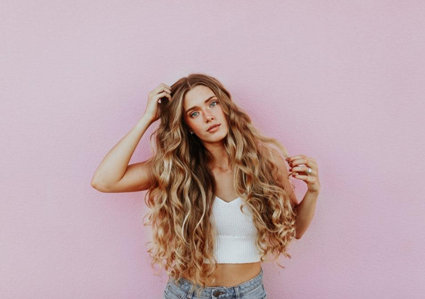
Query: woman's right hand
x: 154, y: 96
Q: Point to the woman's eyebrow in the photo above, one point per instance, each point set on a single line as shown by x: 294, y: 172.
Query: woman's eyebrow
x: 191, y: 108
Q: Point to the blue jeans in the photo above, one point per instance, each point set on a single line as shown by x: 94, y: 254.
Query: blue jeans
x: 251, y: 289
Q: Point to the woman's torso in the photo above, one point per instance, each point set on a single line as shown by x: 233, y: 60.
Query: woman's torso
x: 230, y: 274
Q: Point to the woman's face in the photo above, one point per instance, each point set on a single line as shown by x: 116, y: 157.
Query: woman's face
x: 202, y: 110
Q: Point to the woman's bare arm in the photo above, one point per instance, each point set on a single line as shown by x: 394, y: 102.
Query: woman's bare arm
x: 114, y: 174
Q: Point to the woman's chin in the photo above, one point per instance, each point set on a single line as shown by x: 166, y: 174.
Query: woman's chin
x: 215, y: 139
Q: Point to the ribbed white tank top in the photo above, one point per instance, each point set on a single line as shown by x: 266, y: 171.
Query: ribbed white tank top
x: 236, y: 232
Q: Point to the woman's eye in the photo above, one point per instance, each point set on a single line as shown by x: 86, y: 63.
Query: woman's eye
x: 192, y: 114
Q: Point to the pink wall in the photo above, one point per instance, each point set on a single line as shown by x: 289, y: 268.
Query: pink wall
x: 340, y: 81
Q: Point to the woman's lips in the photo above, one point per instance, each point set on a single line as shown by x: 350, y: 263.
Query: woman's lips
x: 215, y: 128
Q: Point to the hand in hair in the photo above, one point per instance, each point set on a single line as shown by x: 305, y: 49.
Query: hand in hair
x: 300, y: 164
x: 157, y: 96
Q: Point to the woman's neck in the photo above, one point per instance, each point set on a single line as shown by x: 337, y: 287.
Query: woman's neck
x: 220, y: 160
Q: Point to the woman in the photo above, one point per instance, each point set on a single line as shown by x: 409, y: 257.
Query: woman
x: 219, y: 195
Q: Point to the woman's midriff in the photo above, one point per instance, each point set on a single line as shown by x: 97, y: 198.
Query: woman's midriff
x: 229, y: 275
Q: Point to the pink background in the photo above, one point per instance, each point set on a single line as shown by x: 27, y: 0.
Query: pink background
x: 340, y: 81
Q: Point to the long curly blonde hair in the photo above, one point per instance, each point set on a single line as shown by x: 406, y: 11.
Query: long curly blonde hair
x: 180, y: 200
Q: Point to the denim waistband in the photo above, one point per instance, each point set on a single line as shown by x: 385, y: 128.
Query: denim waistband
x: 238, y: 291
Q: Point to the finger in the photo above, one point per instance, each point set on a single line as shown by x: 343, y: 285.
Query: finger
x: 305, y: 178
x: 305, y: 165
x: 297, y: 162
x: 162, y: 94
x: 297, y: 157
x: 310, y: 162
x: 162, y: 88
x: 301, y: 157
x: 312, y: 165
x: 302, y: 162
x: 304, y: 169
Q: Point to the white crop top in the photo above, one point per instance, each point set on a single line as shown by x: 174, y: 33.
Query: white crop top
x: 236, y: 232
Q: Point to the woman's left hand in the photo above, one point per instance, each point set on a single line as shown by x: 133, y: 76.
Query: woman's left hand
x: 300, y: 164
